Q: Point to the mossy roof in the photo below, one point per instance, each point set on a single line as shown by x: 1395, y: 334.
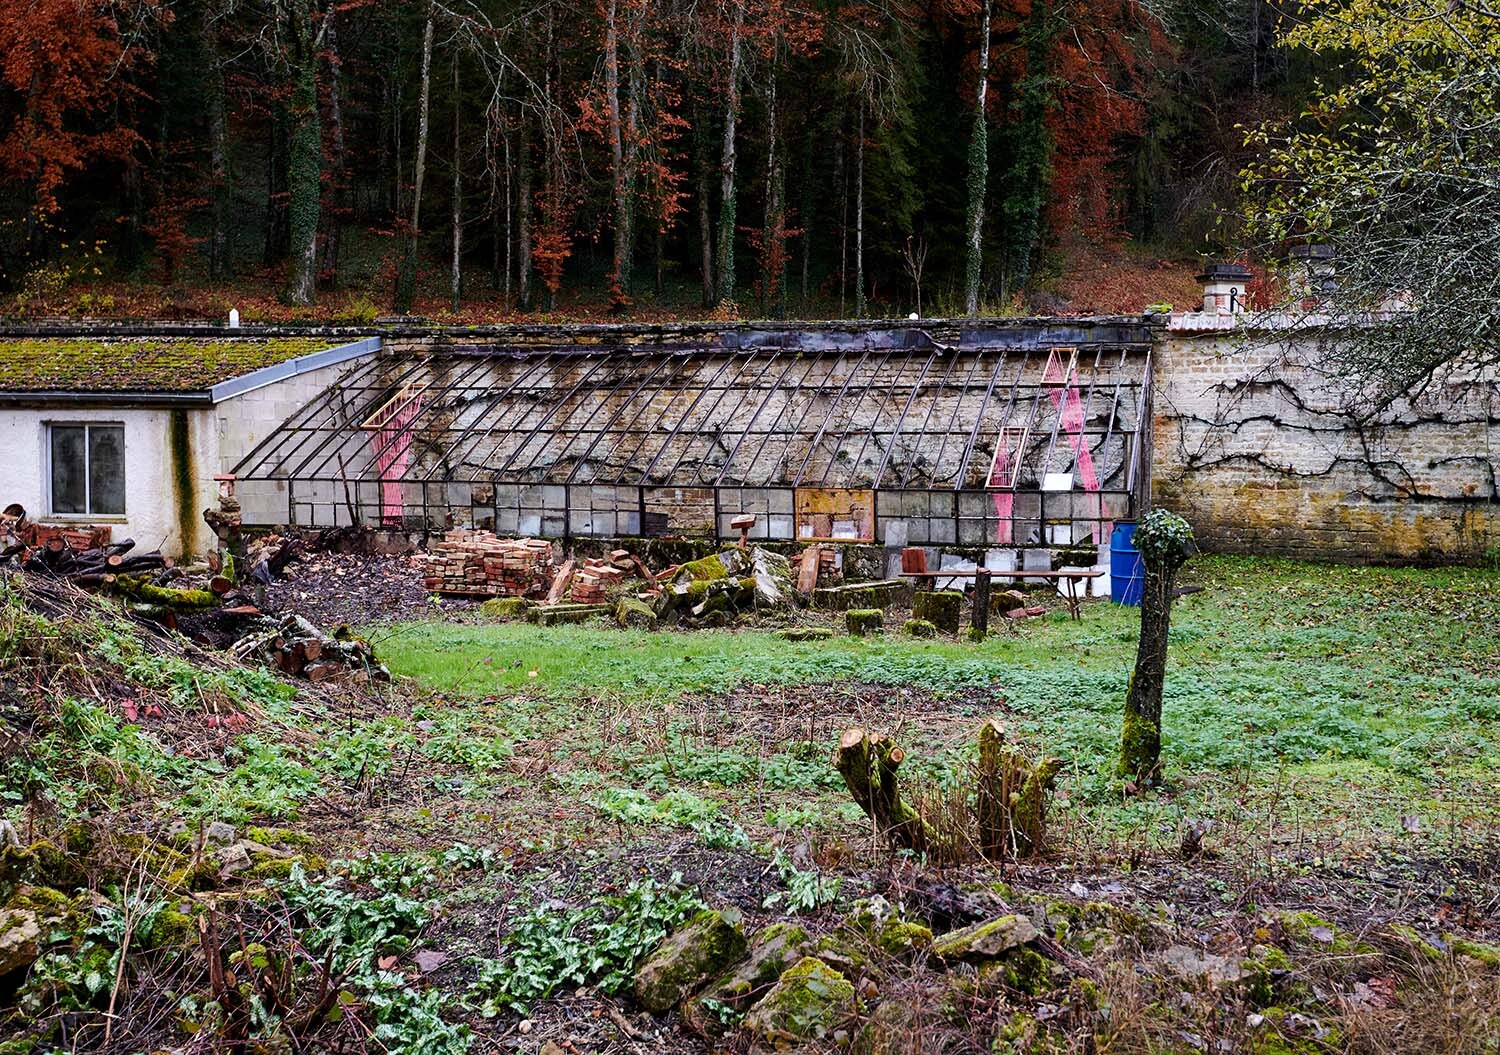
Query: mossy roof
x: 141, y: 364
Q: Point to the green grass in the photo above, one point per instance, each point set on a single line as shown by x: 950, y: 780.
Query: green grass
x: 1277, y: 665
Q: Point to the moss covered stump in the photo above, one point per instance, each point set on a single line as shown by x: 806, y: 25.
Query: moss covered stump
x: 942, y: 608
x: 699, y: 951
x: 862, y: 622
x: 805, y: 633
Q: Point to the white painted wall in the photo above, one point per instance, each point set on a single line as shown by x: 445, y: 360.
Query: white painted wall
x: 219, y: 436
x: 153, y: 516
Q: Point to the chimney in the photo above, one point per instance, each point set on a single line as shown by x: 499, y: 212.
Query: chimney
x: 1224, y: 288
x: 1312, y: 271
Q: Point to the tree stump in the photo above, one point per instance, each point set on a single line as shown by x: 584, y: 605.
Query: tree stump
x: 868, y: 763
x: 1011, y: 796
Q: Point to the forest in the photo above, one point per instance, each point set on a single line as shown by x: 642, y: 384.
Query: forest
x: 757, y: 157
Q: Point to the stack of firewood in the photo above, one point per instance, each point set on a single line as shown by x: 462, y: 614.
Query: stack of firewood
x: 480, y: 564
x: 92, y: 567
x: 296, y: 647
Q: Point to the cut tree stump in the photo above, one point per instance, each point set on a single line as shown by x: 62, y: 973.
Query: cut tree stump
x: 1012, y: 796
x: 868, y: 764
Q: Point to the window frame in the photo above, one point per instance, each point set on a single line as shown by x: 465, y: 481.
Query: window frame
x: 88, y: 490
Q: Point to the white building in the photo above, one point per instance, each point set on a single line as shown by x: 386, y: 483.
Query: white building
x: 129, y: 431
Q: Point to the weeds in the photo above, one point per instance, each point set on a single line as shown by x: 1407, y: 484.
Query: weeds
x: 551, y: 946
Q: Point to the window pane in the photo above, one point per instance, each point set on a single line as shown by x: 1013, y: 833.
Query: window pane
x: 107, y: 470
x: 68, y: 494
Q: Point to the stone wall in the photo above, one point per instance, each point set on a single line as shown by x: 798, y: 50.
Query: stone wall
x: 1258, y: 447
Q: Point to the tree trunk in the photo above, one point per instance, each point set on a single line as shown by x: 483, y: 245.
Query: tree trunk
x: 771, y: 234
x: 806, y: 219
x: 304, y: 160
x: 859, y: 219
x: 406, y: 279
x: 868, y: 764
x: 725, y: 265
x: 705, y: 218
x: 332, y: 241
x: 523, y: 215
x: 218, y: 149
x: 1011, y: 797
x: 1027, y: 185
x: 979, y: 173
x: 456, y: 289
x: 619, y: 281
x: 1140, y: 735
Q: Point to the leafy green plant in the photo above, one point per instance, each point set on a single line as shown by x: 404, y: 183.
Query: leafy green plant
x: 805, y: 890
x: 599, y: 944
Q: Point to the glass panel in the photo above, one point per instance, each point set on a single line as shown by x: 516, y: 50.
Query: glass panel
x: 107, y: 470
x: 69, y: 487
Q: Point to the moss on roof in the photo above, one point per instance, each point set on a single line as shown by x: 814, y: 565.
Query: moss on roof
x: 141, y: 364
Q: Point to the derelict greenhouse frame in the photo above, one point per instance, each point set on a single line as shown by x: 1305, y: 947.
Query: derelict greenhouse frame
x: 967, y: 434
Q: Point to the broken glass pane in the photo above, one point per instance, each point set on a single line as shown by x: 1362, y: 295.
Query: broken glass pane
x: 107, y: 470
x: 69, y: 488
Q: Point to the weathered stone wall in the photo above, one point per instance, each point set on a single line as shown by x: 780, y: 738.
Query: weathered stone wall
x: 1259, y: 448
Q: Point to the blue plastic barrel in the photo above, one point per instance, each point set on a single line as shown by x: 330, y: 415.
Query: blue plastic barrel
x: 1127, y: 575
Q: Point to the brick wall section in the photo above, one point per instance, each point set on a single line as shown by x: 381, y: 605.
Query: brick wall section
x: 1252, y: 446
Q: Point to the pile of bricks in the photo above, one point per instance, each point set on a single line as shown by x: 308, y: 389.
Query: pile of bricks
x: 479, y: 564
x: 594, y: 577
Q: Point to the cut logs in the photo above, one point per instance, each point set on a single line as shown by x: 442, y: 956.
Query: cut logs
x: 296, y: 647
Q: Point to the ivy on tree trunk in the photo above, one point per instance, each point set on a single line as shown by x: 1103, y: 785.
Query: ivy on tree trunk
x: 1164, y: 540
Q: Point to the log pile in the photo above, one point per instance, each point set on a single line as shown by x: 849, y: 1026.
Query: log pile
x: 479, y: 564
x: 296, y: 647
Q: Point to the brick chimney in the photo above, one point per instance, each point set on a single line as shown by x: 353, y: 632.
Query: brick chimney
x: 1224, y: 288
x: 1312, y: 272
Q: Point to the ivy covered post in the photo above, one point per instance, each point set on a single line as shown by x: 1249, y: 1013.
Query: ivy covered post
x: 1165, y: 541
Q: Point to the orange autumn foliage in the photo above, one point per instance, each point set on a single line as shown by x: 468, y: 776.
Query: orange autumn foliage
x: 64, y: 65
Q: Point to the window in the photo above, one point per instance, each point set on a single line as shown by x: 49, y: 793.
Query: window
x: 88, y: 469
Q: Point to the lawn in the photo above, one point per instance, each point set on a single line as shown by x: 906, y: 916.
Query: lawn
x: 1378, y: 683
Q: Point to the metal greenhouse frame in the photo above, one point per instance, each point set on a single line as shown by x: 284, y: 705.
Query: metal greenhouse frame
x: 998, y: 434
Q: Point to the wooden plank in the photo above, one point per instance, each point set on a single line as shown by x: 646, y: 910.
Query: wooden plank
x: 807, y: 575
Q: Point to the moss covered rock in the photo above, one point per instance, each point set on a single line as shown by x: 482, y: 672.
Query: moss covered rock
x: 633, y: 612
x: 808, y: 1002
x: 882, y: 924
x: 20, y: 939
x: 985, y: 941
x: 863, y: 622
x: 502, y: 608
x: 692, y: 955
x: 723, y: 1004
x: 942, y: 608
x: 919, y: 628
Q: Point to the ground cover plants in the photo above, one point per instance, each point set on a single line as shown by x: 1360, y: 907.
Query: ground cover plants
x: 489, y: 853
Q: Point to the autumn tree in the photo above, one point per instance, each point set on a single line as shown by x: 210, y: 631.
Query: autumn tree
x: 1395, y: 161
x: 66, y: 69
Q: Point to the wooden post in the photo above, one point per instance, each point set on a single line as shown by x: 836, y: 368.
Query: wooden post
x: 981, y: 617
